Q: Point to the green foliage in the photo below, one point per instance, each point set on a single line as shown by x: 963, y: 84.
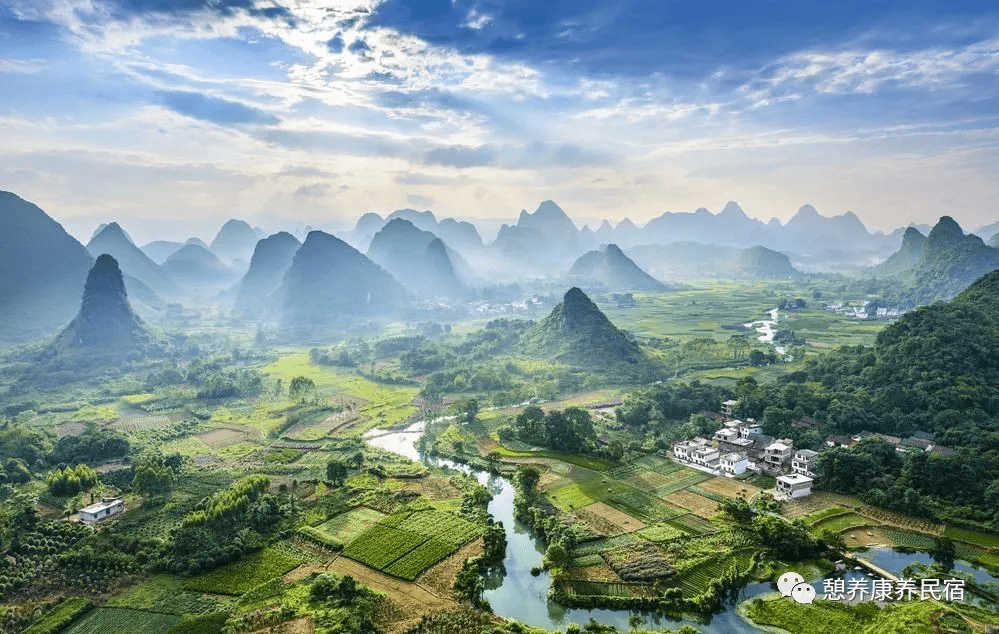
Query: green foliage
x: 381, y: 545
x: 201, y: 624
x: 104, y: 620
x: 71, y: 480
x: 58, y: 618
x: 245, y: 574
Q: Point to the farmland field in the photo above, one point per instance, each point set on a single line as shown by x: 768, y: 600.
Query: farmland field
x: 626, y: 523
x: 346, y: 527
x: 381, y: 545
x: 698, y: 504
x: 245, y: 574
x: 107, y: 620
x: 839, y: 523
x: 729, y: 488
x: 978, y: 538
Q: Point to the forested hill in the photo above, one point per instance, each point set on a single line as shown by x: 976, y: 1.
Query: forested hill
x: 934, y: 370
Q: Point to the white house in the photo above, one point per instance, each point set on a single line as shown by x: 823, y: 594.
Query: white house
x: 100, y: 511
x: 776, y: 455
x: 726, y: 434
x: 727, y: 407
x: 749, y: 428
x: 804, y: 461
x: 705, y: 456
x: 733, y: 464
x: 794, y: 486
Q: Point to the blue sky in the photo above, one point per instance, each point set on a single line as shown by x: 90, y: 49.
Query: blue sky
x: 305, y: 112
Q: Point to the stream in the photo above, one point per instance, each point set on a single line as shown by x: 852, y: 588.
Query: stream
x: 516, y: 594
x: 767, y: 329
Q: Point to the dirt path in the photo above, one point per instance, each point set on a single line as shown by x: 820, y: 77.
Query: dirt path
x: 399, y: 591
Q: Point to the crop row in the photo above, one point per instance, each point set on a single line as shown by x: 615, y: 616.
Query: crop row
x: 59, y: 617
x: 697, y: 580
x: 682, y: 483
x: 693, y: 524
x: 643, y: 506
x: 598, y: 545
x: 711, y: 495
x: 419, y: 559
x: 244, y: 574
x: 440, y: 525
x: 381, y: 545
x: 316, y: 536
x: 105, y: 620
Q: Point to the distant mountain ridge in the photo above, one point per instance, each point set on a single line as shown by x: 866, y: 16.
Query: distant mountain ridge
x: 271, y: 259
x: 759, y: 261
x: 113, y: 240
x: 330, y: 284
x: 417, y: 258
x: 611, y: 268
x: 42, y: 269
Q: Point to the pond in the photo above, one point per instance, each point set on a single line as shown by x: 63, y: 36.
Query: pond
x: 517, y: 594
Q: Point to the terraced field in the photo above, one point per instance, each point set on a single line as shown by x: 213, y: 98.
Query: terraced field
x: 696, y: 580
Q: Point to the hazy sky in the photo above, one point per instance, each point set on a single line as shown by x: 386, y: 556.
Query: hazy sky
x: 186, y: 110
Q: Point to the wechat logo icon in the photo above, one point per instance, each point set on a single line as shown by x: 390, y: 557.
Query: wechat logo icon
x: 793, y: 585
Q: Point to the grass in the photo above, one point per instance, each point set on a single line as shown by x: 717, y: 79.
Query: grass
x: 985, y: 540
x: 587, y: 491
x: 913, y: 617
x: 59, y: 617
x: 839, y: 523
x: 661, y: 533
x: 244, y: 574
x: 165, y: 593
x: 382, y: 404
x: 817, y: 516
x: 588, y: 462
x: 348, y: 526
x: 107, y: 620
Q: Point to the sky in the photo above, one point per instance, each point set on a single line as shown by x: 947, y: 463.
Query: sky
x: 171, y: 116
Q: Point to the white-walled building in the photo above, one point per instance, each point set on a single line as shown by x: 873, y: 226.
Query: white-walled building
x: 733, y: 464
x: 804, y: 462
x: 794, y: 486
x: 102, y: 510
x: 776, y: 455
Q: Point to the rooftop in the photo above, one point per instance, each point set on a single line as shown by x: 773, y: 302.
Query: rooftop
x: 105, y: 503
x: 794, y: 478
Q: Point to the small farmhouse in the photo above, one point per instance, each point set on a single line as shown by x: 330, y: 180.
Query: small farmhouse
x: 100, y: 511
x: 794, y: 486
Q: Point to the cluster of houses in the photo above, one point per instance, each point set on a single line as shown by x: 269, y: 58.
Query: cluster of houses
x: 741, y: 446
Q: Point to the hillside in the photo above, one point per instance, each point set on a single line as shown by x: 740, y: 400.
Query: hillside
x: 197, y: 270
x: 105, y: 322
x: 610, y: 268
x: 42, y: 269
x: 907, y: 256
x: 578, y: 333
x: 132, y: 261
x: 950, y: 262
x: 759, y: 261
x: 331, y: 283
x: 234, y: 242
x: 411, y: 256
x: 271, y: 259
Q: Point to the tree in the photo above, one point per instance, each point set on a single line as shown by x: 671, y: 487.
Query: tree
x: 302, y: 388
x: 738, y: 509
x: 336, y: 473
x: 944, y: 552
x: 151, y: 480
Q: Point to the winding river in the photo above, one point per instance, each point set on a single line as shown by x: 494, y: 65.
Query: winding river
x: 516, y: 594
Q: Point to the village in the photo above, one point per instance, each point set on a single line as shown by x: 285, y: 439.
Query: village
x: 741, y: 447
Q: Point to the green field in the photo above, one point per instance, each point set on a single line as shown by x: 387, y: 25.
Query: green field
x: 817, y: 516
x: 107, y: 620
x: 839, y: 523
x: 244, y: 574
x: 661, y: 532
x: 986, y: 540
x: 381, y: 545
x: 594, y: 488
x: 346, y: 527
x: 165, y: 593
x: 589, y: 462
x: 382, y: 404
x: 56, y: 619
